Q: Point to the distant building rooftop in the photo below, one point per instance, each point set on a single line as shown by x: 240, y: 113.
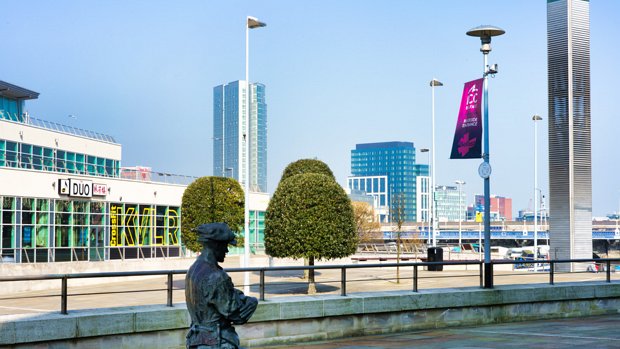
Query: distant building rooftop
x: 16, y: 92
x: 384, y: 145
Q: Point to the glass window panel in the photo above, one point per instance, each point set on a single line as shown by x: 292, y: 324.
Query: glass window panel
x: 80, y: 236
x: 61, y: 165
x: 25, y: 157
x: 11, y: 154
x: 79, y: 163
x: 173, y: 226
x: 2, y: 152
x: 71, y: 162
x: 37, y: 158
x: 130, y: 221
x: 62, y: 236
x: 80, y: 206
x: 92, y: 165
x: 63, y: 206
x: 42, y: 230
x: 48, y: 159
x: 27, y: 238
x: 109, y: 167
x: 101, y: 166
x: 27, y: 204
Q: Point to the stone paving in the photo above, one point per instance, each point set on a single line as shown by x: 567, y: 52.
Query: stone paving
x: 590, y: 332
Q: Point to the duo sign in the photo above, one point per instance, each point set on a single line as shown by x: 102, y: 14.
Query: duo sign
x: 80, y: 188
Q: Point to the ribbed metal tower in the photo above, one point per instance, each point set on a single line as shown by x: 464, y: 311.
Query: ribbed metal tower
x: 570, y: 165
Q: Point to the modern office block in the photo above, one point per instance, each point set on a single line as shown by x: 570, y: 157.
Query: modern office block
x: 391, y: 163
x: 229, y: 147
x: 450, y: 203
x: 570, y: 166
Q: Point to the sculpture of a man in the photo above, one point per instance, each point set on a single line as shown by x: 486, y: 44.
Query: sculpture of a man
x: 212, y: 301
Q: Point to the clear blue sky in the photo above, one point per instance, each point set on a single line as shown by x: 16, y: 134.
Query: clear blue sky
x: 337, y: 73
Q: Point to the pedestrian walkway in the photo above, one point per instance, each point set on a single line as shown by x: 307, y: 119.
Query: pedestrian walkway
x: 598, y: 332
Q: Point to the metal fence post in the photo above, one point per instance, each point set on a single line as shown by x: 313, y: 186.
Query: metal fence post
x: 170, y: 282
x: 63, y: 296
x: 262, y: 285
x: 551, y: 267
x: 608, y: 271
x: 343, y: 281
x: 415, y: 278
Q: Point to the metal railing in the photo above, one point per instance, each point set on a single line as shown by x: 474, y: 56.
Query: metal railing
x: 70, y: 130
x: 604, y: 264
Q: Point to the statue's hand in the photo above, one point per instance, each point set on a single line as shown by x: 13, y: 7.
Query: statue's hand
x: 246, y: 310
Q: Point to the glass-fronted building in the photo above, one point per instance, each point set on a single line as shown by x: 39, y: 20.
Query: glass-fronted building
x: 229, y: 114
x: 63, y: 196
x: 396, y: 163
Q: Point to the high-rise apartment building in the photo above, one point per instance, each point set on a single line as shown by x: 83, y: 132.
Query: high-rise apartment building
x: 570, y: 165
x: 229, y: 125
x: 388, y: 170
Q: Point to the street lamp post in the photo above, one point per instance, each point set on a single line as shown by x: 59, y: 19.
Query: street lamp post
x: 428, y: 201
x: 460, y: 184
x: 485, y: 33
x: 536, y: 118
x: 251, y: 23
x: 434, y: 83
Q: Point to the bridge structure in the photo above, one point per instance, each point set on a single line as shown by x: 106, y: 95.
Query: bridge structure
x: 605, y: 230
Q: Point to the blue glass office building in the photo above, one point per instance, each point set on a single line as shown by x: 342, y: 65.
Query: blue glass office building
x: 397, y: 161
x: 229, y: 113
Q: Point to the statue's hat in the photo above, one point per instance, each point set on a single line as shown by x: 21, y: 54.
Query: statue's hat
x: 215, y: 232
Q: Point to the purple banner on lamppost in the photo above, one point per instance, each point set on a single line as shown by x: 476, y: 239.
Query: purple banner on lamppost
x: 467, y: 142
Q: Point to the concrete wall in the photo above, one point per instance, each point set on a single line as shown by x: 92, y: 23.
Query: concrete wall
x: 296, y: 319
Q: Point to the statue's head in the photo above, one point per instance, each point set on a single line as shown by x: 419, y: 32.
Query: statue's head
x: 216, y: 237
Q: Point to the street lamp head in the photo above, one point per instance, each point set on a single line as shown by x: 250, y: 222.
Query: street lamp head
x: 253, y: 22
x: 424, y: 150
x: 485, y: 33
x: 536, y: 118
x: 436, y: 82
x: 459, y: 182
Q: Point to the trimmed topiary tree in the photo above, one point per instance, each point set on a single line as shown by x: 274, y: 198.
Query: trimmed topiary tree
x: 310, y: 216
x: 211, y: 200
x: 307, y: 166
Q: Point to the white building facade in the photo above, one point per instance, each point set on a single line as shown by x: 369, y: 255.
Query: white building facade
x: 62, y: 197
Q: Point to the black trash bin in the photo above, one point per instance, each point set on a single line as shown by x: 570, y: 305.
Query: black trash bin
x: 435, y: 254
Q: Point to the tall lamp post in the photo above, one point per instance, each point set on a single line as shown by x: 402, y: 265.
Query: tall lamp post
x: 536, y: 118
x: 434, y: 83
x: 460, y: 184
x: 251, y: 23
x: 485, y: 33
x: 428, y: 201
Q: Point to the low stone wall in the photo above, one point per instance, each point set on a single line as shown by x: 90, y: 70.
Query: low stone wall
x: 297, y: 319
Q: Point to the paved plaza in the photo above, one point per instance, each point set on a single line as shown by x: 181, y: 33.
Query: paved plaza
x: 597, y: 332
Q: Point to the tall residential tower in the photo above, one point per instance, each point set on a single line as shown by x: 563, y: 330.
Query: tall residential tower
x: 229, y: 114
x: 570, y: 165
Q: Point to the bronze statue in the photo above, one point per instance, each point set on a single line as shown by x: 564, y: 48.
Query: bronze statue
x: 213, y: 302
